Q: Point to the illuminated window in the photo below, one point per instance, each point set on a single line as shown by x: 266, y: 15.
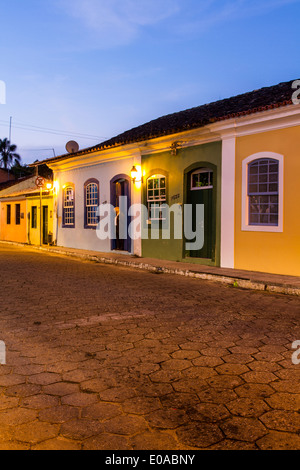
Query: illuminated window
x: 202, y: 179
x: 91, y: 203
x: 68, y: 207
x: 156, y: 196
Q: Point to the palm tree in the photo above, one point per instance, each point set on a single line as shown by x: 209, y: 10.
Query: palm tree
x: 8, y: 157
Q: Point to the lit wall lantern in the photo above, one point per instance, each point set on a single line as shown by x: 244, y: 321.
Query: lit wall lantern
x: 136, y: 174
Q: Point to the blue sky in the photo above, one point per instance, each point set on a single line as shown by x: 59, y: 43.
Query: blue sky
x: 91, y: 69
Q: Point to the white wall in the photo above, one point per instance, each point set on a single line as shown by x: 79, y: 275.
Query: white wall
x: 79, y: 237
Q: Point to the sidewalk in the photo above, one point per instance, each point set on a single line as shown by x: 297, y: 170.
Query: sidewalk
x: 238, y: 278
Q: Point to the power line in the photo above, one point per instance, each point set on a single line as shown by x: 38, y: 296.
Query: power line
x: 24, y: 149
x: 45, y: 130
x: 58, y: 130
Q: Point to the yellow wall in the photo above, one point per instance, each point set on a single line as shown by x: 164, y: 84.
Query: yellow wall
x: 34, y: 233
x: 262, y: 251
x: 13, y: 232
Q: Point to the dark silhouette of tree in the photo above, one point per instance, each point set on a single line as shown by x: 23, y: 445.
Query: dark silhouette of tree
x: 8, y: 155
x: 21, y: 170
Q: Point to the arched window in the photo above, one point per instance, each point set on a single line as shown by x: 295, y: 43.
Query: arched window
x: 156, y: 196
x: 263, y: 191
x: 69, y: 206
x: 91, y: 198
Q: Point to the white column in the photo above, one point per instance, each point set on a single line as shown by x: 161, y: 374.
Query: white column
x: 137, y: 199
x: 228, y: 202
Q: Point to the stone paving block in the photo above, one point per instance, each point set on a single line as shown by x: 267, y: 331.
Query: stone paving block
x: 8, y: 402
x: 280, y: 420
x: 35, y: 432
x: 259, y: 377
x: 200, y: 373
x: 208, y: 412
x: 228, y: 444
x: 79, y: 429
x: 254, y: 391
x: 243, y: 429
x: 17, y: 416
x: 201, y: 435
x: 279, y: 441
x: 176, y: 364
x: 125, y: 425
x: 58, y: 414
x: 9, y: 445
x: 154, y: 441
x: 207, y: 361
x: 79, y: 399
x: 167, y: 419
x: 247, y: 407
x: 141, y: 405
x: 57, y: 444
x: 61, y: 389
x: 40, y: 401
x: 44, y: 378
x: 232, y: 369
x: 225, y: 381
x: 261, y: 366
x: 106, y: 442
x: 10, y: 380
x: 284, y: 401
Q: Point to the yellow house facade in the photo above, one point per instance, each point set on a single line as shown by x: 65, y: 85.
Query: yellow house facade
x: 13, y: 220
x: 40, y: 219
x: 270, y: 243
x: 26, y: 213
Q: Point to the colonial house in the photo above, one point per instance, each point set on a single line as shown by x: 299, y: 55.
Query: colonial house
x: 26, y: 212
x: 237, y: 158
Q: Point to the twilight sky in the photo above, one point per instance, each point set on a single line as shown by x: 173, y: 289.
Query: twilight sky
x: 88, y: 70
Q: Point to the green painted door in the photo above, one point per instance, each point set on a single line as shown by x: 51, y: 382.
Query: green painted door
x: 201, y: 191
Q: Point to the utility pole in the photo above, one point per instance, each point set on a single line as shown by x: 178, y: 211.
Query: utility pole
x: 10, y: 121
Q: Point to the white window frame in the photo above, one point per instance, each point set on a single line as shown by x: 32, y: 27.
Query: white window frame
x: 160, y: 201
x: 197, y: 172
x: 245, y: 199
x: 67, y: 207
x: 89, y: 206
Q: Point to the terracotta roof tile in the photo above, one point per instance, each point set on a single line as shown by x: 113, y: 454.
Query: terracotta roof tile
x: 241, y: 105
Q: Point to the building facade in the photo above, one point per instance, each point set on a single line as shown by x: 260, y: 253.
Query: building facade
x: 237, y: 158
x: 81, y: 186
x: 26, y: 213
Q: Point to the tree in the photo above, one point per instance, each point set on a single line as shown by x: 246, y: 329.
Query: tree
x: 21, y: 170
x: 8, y: 157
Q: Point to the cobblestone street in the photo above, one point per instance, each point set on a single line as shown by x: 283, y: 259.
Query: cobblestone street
x: 112, y: 358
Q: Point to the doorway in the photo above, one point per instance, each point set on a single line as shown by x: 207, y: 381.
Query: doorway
x: 120, y: 186
x: 45, y: 226
x: 201, y: 190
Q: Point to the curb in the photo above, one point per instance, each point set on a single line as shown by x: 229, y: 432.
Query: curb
x: 228, y: 280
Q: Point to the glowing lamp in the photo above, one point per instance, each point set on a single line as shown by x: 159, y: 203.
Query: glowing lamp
x: 134, y: 173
